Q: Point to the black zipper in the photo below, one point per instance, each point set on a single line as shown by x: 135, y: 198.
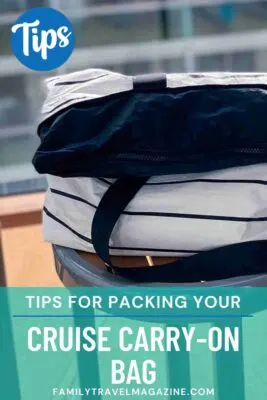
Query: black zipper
x: 252, y: 150
x: 161, y: 157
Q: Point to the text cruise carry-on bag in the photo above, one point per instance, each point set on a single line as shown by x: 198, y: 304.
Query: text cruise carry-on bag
x: 160, y: 165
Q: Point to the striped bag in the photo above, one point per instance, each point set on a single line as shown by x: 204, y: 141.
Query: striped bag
x: 159, y: 165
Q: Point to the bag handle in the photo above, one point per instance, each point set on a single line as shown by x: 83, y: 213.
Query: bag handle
x: 155, y: 81
x: 247, y: 258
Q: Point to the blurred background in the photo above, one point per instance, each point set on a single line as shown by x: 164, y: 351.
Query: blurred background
x: 132, y: 37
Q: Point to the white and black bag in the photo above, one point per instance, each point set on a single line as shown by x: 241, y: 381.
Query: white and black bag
x: 165, y: 165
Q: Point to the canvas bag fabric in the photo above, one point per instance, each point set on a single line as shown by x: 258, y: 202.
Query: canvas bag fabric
x: 198, y: 212
x: 212, y: 201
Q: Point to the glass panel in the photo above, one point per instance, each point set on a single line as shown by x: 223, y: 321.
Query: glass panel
x: 112, y: 29
x: 229, y: 18
x: 36, y: 3
x: 238, y: 62
x: 20, y: 102
x: 137, y: 68
x: 5, y: 48
x: 11, y: 5
x: 242, y: 61
x: 112, y: 2
x: 173, y: 65
x: 17, y: 174
x: 21, y: 98
x: 14, y: 107
x: 210, y: 63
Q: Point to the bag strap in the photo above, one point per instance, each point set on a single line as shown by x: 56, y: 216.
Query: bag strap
x: 150, y: 82
x: 247, y: 258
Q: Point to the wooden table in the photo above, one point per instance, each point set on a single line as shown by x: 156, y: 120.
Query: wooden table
x: 21, y: 210
x: 28, y: 259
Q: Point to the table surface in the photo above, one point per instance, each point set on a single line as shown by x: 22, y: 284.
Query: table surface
x: 28, y: 259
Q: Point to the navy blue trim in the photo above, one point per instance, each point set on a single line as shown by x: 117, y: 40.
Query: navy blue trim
x: 196, y: 216
x: 258, y: 182
x: 49, y: 214
x: 166, y: 214
x: 72, y: 196
x: 252, y: 181
x: 52, y: 216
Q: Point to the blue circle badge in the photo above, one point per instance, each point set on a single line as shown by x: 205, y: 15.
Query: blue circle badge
x: 42, y: 39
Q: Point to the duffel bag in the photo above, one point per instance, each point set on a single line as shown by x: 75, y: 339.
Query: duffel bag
x: 166, y: 165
